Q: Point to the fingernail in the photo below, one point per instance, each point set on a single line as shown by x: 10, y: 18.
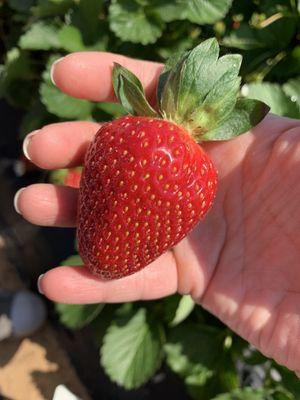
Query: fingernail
x: 53, y: 69
x: 16, y: 200
x: 27, y: 141
x: 39, y: 282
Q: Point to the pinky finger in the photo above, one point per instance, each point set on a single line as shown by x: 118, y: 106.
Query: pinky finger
x: 76, y: 285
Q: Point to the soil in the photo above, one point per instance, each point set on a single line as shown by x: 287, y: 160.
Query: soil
x: 35, y: 365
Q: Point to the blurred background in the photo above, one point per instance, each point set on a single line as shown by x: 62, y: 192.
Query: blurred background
x: 193, y: 355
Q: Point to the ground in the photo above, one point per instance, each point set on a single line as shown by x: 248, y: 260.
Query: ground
x: 32, y: 367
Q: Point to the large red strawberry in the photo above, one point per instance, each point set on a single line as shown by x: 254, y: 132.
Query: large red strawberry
x: 146, y: 181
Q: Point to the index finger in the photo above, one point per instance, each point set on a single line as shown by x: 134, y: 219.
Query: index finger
x: 88, y: 75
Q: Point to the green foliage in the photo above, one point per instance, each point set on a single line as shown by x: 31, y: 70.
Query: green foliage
x: 195, y: 351
x: 131, y: 21
x: 76, y: 316
x: 75, y: 259
x: 276, y: 96
x: 87, y: 18
x: 292, y: 89
x: 70, y: 38
x: 20, y: 5
x: 17, y: 77
x: 40, y: 36
x: 136, y: 339
x: 274, y: 36
x: 193, y: 360
x: 255, y: 394
x: 180, y: 307
x: 62, y: 105
x: 132, y: 349
x: 51, y: 8
x: 206, y: 12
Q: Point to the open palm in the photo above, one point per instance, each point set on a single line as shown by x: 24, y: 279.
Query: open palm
x: 241, y: 263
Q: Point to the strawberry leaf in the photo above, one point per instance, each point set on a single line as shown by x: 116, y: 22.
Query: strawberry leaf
x: 132, y: 349
x: 177, y: 309
x: 48, y: 8
x: 87, y: 18
x: 70, y: 38
x: 206, y: 12
x: 187, y: 360
x: 184, y: 308
x: 197, y: 11
x: 40, y: 36
x: 274, y: 95
x: 134, y: 22
x: 246, y: 114
x: 243, y: 38
x: 75, y: 259
x: 130, y: 92
x: 62, y: 105
x: 76, y: 316
x: 274, y: 36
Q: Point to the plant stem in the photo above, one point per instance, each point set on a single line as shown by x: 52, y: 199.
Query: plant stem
x: 271, y: 19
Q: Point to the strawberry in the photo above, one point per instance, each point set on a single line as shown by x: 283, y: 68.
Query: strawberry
x: 72, y: 178
x: 146, y: 180
x: 146, y: 183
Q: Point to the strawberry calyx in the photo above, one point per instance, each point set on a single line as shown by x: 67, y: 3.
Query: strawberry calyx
x: 197, y: 90
x: 130, y: 92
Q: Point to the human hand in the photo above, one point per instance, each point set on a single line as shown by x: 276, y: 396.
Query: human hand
x: 241, y: 263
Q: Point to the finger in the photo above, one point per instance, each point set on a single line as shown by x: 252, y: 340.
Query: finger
x: 60, y: 145
x: 76, y: 285
x: 88, y: 75
x: 48, y: 205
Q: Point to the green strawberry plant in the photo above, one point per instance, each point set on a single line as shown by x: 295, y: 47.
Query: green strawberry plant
x: 135, y: 339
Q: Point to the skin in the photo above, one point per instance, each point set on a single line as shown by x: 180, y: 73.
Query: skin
x: 241, y: 263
